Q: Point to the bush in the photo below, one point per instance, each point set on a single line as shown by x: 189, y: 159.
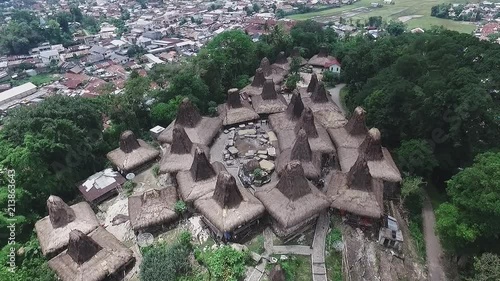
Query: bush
x: 412, y: 195
x: 128, y: 186
x: 156, y: 170
x: 333, y: 237
x: 180, y: 207
x: 330, y: 78
x: 224, y: 263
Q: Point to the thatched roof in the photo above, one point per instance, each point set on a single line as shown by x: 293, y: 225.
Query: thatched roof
x: 200, y: 129
x: 313, y: 83
x: 265, y: 65
x: 357, y: 191
x: 321, y: 59
x: 269, y: 101
x: 296, y: 54
x: 180, y: 154
x: 293, y: 199
x: 301, y: 151
x: 319, y: 94
x: 282, y: 62
x: 353, y: 133
x: 277, y: 274
x: 200, y: 179
x: 132, y: 153
x: 152, y: 208
x: 320, y: 101
x: 230, y: 205
x: 255, y: 88
x: 53, y: 230
x: 236, y: 110
x: 288, y: 119
x: 274, y: 72
x: 92, y: 257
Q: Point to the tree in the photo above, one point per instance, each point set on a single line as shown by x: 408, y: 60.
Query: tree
x: 291, y: 82
x: 486, y: 267
x: 396, y: 28
x: 412, y: 195
x: 416, y: 157
x: 188, y: 84
x: 330, y: 78
x: 162, y: 73
x: 256, y: 7
x: 164, y: 113
x: 77, y: 14
x: 310, y: 35
x: 375, y: 21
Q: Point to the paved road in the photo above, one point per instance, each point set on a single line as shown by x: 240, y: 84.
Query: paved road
x: 432, y: 244
x: 335, y: 93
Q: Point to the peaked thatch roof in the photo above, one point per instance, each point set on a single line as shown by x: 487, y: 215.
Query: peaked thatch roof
x: 255, y: 88
x: 307, y: 124
x: 277, y: 274
x: 230, y: 206
x: 269, y: 101
x: 200, y: 129
x: 319, y: 94
x: 313, y: 83
x: 200, y: 179
x: 179, y: 156
x: 301, y: 151
x: 132, y: 153
x: 321, y: 59
x: 236, y: 110
x: 265, y: 65
x: 275, y: 72
x: 92, y: 257
x: 281, y: 58
x: 356, y: 125
x: 152, y: 208
x: 353, y: 133
x: 320, y: 103
x: 288, y: 119
x: 357, y: 191
x: 296, y: 54
x: 293, y: 200
x: 53, y: 230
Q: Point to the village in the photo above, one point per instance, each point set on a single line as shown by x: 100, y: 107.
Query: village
x: 278, y: 170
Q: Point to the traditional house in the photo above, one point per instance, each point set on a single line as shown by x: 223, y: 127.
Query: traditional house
x: 350, y: 136
x: 301, y: 151
x: 320, y: 100
x: 296, y: 55
x: 133, y: 154
x: 287, y: 120
x: 231, y: 210
x: 101, y: 185
x: 282, y: 62
x: 53, y: 230
x: 236, y: 110
x: 93, y: 257
x: 153, y: 209
x: 293, y: 202
x: 269, y: 101
x: 313, y: 83
x: 322, y: 61
x: 200, y: 179
x: 255, y: 88
x: 180, y: 154
x: 201, y: 130
x: 356, y: 194
x: 277, y: 74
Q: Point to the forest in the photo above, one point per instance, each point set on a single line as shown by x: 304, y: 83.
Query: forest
x: 434, y: 97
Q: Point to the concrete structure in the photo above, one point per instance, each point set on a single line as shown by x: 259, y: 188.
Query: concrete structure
x: 18, y: 92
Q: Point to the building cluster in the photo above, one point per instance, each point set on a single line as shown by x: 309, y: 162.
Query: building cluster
x: 321, y: 161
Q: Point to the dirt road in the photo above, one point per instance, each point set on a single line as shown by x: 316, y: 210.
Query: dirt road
x: 335, y: 93
x: 432, y: 244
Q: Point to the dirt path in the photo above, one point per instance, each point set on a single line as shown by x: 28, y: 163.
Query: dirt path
x: 432, y: 244
x: 335, y: 93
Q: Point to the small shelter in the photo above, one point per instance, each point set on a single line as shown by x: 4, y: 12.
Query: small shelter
x: 200, y: 129
x: 269, y: 101
x: 133, y: 154
x: 293, y: 202
x: 180, y: 154
x: 236, y: 110
x: 93, y: 257
x: 287, y: 120
x: 53, y: 230
x: 301, y: 151
x: 357, y: 194
x: 152, y: 209
x: 231, y: 210
x: 101, y: 185
x: 200, y: 179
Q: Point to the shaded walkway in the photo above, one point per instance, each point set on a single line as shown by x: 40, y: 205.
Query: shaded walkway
x: 434, y: 251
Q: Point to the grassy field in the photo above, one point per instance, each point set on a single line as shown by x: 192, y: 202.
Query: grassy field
x: 38, y: 80
x: 362, y: 10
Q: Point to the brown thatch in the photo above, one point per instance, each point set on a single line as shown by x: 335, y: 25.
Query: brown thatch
x: 357, y: 191
x: 53, y: 230
x: 313, y: 83
x: 269, y: 101
x: 95, y: 257
x: 277, y: 274
x: 320, y: 102
x: 371, y: 147
x: 351, y: 135
x: 182, y: 143
x: 200, y: 129
x: 275, y: 72
x: 259, y: 78
x: 265, y: 65
x: 296, y: 54
x: 255, y: 88
x: 230, y: 206
x: 301, y: 151
x: 319, y: 94
x: 356, y: 125
x: 236, y: 110
x: 321, y: 59
x: 282, y: 62
x: 132, y: 153
x: 307, y: 124
x: 153, y: 208
x: 293, y: 201
x: 281, y: 58
x: 200, y: 179
x: 287, y: 120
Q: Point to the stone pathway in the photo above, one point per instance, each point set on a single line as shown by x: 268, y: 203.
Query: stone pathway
x: 318, y: 247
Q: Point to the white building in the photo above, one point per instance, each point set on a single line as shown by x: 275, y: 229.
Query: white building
x: 17, y: 93
x: 48, y: 56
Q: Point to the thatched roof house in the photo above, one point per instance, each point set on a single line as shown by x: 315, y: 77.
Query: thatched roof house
x: 255, y: 88
x: 236, y: 110
x: 319, y: 99
x: 180, y: 154
x: 153, y: 208
x: 322, y: 59
x: 200, y: 129
x: 301, y: 151
x: 282, y: 62
x: 93, y: 257
x: 293, y: 202
x: 288, y: 120
x: 296, y: 54
x: 277, y: 74
x: 133, y: 153
x: 231, y: 209
x: 357, y: 192
x: 269, y: 101
x: 200, y: 179
x: 352, y: 134
x: 318, y: 137
x: 53, y: 230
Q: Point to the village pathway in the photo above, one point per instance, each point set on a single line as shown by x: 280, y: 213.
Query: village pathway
x: 318, y: 247
x: 335, y: 93
x: 432, y: 245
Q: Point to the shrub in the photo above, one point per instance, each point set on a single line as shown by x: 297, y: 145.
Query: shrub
x: 128, y: 186
x: 180, y: 207
x: 224, y: 263
x: 330, y: 78
x: 156, y: 170
x: 333, y: 237
x: 412, y: 195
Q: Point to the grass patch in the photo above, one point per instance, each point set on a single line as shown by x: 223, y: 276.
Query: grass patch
x: 256, y: 245
x: 297, y: 268
x: 362, y: 10
x: 333, y: 259
x: 416, y: 231
x: 38, y: 80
